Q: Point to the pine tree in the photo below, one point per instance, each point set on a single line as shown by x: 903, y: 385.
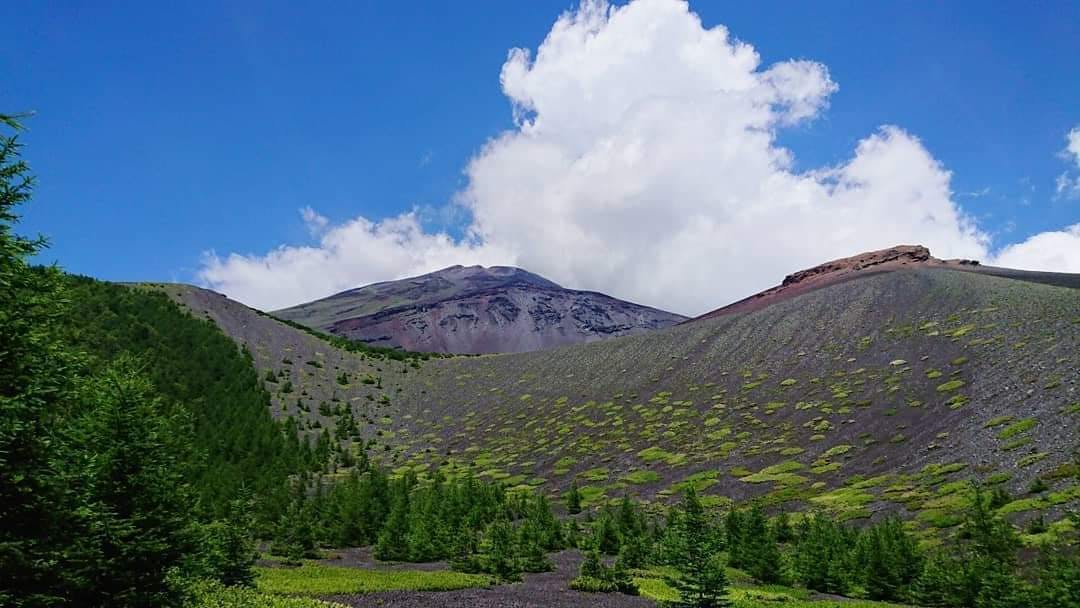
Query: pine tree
x: 935, y: 586
x: 619, y: 575
x: 135, y: 457
x: 781, y: 528
x: 1001, y: 589
x: 628, y: 520
x: 592, y: 566
x: 533, y: 557
x: 393, y: 542
x: 703, y: 581
x: 824, y: 559
x: 634, y: 552
x: 549, y: 531
x: 758, y: 552
x: 227, y: 548
x: 573, y: 499
x: 501, y: 554
x: 1058, y: 579
x: 294, y: 536
x: 991, y: 537
x: 34, y: 372
x: 606, y: 534
x: 572, y: 533
x: 673, y: 538
x: 733, y: 535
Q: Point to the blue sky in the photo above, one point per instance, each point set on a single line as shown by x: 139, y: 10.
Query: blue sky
x: 163, y: 131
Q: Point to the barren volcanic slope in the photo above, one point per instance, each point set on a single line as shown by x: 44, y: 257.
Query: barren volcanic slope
x: 476, y: 310
x: 879, y: 393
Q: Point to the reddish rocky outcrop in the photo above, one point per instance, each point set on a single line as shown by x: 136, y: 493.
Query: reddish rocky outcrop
x: 829, y: 273
x: 901, y: 254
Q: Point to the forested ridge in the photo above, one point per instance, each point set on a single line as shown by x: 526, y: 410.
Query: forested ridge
x: 190, y: 362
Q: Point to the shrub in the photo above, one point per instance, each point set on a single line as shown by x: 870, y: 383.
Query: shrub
x: 590, y: 584
x: 209, y: 594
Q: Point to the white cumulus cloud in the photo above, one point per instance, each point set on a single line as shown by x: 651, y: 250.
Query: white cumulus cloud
x: 644, y: 163
x: 351, y: 254
x: 1057, y: 251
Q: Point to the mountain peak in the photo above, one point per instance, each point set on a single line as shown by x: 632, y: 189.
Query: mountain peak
x: 476, y: 309
x: 487, y: 275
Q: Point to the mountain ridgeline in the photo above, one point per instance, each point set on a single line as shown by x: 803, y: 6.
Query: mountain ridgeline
x: 862, y: 390
x: 473, y: 310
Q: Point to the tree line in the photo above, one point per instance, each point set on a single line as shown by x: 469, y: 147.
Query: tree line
x: 883, y: 561
x: 480, y: 527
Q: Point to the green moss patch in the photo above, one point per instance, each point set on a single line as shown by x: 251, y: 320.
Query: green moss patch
x: 1018, y: 427
x: 596, y: 474
x: 641, y: 477
x: 317, y: 579
x: 951, y: 385
x: 656, y: 454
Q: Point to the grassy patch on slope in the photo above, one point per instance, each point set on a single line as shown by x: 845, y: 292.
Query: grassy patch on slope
x: 213, y: 595
x: 752, y: 597
x: 316, y: 579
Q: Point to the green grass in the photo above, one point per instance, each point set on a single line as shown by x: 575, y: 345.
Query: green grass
x: 753, y: 597
x: 782, y: 472
x: 317, y: 579
x: 843, y: 499
x: 836, y: 450
x: 641, y: 477
x: 597, y: 474
x: 1031, y: 459
x: 213, y: 595
x: 1062, y: 497
x: 700, y: 481
x: 1018, y: 427
x: 656, y: 454
x: 950, y: 386
x: 1056, y: 533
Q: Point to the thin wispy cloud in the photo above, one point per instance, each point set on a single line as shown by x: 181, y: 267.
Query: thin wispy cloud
x: 1067, y: 185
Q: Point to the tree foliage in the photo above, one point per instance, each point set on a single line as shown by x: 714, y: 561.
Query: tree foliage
x: 703, y: 583
x: 100, y: 463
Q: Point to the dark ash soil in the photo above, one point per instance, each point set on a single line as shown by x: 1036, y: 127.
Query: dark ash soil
x: 536, y: 591
x: 362, y: 557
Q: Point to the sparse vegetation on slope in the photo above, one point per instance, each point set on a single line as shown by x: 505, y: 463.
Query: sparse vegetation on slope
x: 317, y: 579
x: 883, y: 379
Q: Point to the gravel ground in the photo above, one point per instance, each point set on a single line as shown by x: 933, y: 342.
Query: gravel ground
x: 536, y: 591
x: 362, y: 557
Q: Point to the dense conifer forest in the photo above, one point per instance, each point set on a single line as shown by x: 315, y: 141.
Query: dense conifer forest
x: 140, y: 466
x: 191, y: 365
